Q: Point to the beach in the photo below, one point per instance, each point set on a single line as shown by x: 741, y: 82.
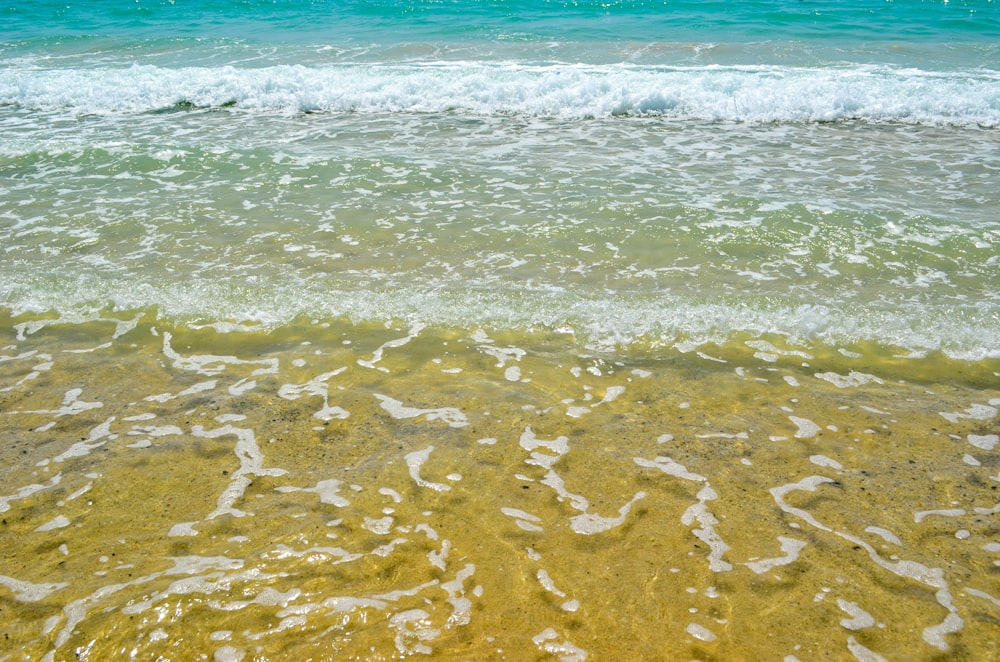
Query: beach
x: 468, y: 331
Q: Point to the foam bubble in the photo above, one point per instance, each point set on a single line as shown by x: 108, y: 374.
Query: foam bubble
x: 251, y: 464
x: 99, y: 436
x: 982, y: 594
x: 546, y: 581
x: 317, y: 386
x: 197, y: 388
x: 413, y: 627
x: 71, y: 405
x: 700, y: 632
x: 669, y: 467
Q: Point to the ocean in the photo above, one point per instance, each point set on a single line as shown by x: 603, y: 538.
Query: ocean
x: 513, y: 330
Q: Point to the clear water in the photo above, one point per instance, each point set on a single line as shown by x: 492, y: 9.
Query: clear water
x: 692, y: 307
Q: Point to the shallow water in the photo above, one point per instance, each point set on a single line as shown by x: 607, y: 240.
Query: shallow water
x: 339, y: 491
x: 517, y: 330
x: 623, y: 230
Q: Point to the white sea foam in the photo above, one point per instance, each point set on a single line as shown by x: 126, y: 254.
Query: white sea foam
x: 71, y: 405
x: 885, y: 534
x: 27, y: 491
x: 977, y: 412
x: 524, y: 520
x: 317, y: 386
x: 699, y: 513
x: 670, y: 467
x: 313, y: 554
x: 985, y: 442
x: 604, y: 323
x: 58, y: 522
x: 413, y: 627
x: 28, y: 592
x: 251, y: 461
x: 700, y: 632
x: 326, y: 489
x: 207, y: 364
x: 548, y: 641
x: 931, y: 577
x: 807, y: 429
x: 415, y: 461
x: 696, y: 512
x: 982, y: 594
x: 736, y: 93
x: 861, y: 653
x: 450, y: 415
x: 99, y: 435
x: 946, y: 512
x: 546, y: 581
x: 591, y: 523
x: 197, y: 388
x: 860, y: 619
x: 824, y: 461
x: 790, y: 546
x: 390, y: 344
x: 854, y: 378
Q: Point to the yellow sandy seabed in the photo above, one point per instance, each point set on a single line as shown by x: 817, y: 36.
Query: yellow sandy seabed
x: 336, y: 491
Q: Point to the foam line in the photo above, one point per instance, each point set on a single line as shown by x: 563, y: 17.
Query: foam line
x: 28, y: 592
x: 251, y: 464
x: 450, y: 415
x: 415, y: 461
x: 746, y: 93
x: 790, y: 546
x: 398, y: 342
x: 317, y: 386
x: 26, y: 491
x: 211, y: 365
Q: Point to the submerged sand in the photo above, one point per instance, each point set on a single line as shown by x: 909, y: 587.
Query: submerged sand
x: 339, y: 491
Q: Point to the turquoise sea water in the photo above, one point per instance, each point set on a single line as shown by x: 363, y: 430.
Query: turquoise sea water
x: 970, y: 21
x: 434, y: 263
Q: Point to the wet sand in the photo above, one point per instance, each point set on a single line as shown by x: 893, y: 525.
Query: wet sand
x: 339, y: 491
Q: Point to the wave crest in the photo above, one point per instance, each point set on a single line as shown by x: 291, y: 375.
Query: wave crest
x: 713, y: 93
